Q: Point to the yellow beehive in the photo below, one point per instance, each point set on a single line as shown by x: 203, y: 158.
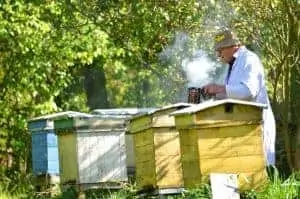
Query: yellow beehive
x: 223, y: 136
x: 157, y: 149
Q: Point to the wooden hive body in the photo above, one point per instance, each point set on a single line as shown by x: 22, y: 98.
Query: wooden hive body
x: 92, y: 151
x: 157, y: 149
x: 125, y: 114
x: 45, y: 161
x: 225, y: 137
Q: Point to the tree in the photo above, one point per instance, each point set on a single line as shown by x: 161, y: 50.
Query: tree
x: 39, y: 49
x: 274, y: 27
x: 139, y: 31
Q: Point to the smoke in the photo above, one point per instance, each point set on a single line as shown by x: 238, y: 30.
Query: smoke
x: 177, y: 50
x: 199, y: 69
x: 192, y: 55
x: 192, y: 62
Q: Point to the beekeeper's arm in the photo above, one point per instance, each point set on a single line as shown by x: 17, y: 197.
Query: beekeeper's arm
x: 249, y: 75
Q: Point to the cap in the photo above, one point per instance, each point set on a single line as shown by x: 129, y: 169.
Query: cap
x: 225, y: 38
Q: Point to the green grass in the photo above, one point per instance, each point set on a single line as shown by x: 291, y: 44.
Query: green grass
x: 277, y: 188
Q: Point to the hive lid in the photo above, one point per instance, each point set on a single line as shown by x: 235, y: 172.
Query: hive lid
x: 210, y: 104
x: 120, y: 111
x: 158, y: 118
x: 61, y: 115
x: 45, y: 122
x: 163, y: 108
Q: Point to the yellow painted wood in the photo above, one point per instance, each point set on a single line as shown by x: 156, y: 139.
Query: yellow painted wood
x: 185, y: 121
x: 217, y: 115
x: 143, y: 138
x: 253, y: 180
x: 157, y: 150
x: 227, y: 152
x: 145, y: 168
x: 206, y: 141
x: 207, y: 144
x: 191, y: 169
x: 144, y: 159
x: 226, y: 124
x: 67, y: 157
x: 159, y: 118
x: 166, y: 142
x: 225, y: 132
x: 145, y: 181
x: 192, y: 182
x: 158, y: 158
x: 213, y: 140
x: 247, y: 180
x: 171, y: 180
x: 145, y: 174
x: 163, y: 119
x: 138, y: 124
x: 169, y: 171
x: 168, y: 164
x: 231, y: 164
x: 189, y: 153
x: 189, y: 157
x: 188, y: 137
x: 144, y: 153
x: 167, y: 157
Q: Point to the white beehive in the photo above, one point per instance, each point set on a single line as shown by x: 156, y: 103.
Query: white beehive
x: 92, y: 151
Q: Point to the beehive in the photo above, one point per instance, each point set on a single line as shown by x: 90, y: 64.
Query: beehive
x: 124, y: 114
x: 92, y: 151
x: 157, y: 149
x: 223, y: 136
x: 45, y: 164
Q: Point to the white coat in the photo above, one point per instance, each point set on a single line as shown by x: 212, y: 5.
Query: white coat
x: 246, y: 82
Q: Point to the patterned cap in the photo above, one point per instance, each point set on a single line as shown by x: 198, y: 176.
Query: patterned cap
x: 225, y: 38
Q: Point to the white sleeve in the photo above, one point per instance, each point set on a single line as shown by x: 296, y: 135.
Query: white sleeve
x: 238, y: 92
x: 250, y: 77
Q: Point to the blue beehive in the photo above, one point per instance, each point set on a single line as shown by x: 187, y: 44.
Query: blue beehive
x: 44, y: 142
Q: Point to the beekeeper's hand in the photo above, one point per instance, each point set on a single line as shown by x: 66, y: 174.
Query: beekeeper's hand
x: 213, y: 89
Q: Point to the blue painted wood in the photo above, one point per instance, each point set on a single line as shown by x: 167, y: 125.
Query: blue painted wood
x: 44, y: 152
x: 44, y: 144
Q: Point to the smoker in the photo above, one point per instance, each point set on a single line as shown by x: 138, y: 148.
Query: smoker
x: 198, y: 95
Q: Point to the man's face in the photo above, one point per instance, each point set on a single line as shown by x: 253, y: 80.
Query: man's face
x: 225, y: 54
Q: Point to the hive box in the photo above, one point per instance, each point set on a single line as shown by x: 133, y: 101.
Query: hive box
x: 157, y: 149
x: 92, y: 151
x: 124, y: 114
x: 44, y: 145
x: 223, y: 136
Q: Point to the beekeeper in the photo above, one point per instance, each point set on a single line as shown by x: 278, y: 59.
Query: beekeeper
x: 244, y: 81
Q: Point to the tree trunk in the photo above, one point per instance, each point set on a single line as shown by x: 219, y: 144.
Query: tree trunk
x: 95, y: 86
x: 297, y: 150
x: 295, y: 106
x: 286, y: 113
x: 294, y: 42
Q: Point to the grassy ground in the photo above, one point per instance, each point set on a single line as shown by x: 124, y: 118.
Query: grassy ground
x: 277, y: 188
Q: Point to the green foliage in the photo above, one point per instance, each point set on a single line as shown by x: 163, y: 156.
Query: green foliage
x: 202, y: 192
x: 139, y: 30
x: 15, y: 185
x: 41, y: 53
x: 279, y: 187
